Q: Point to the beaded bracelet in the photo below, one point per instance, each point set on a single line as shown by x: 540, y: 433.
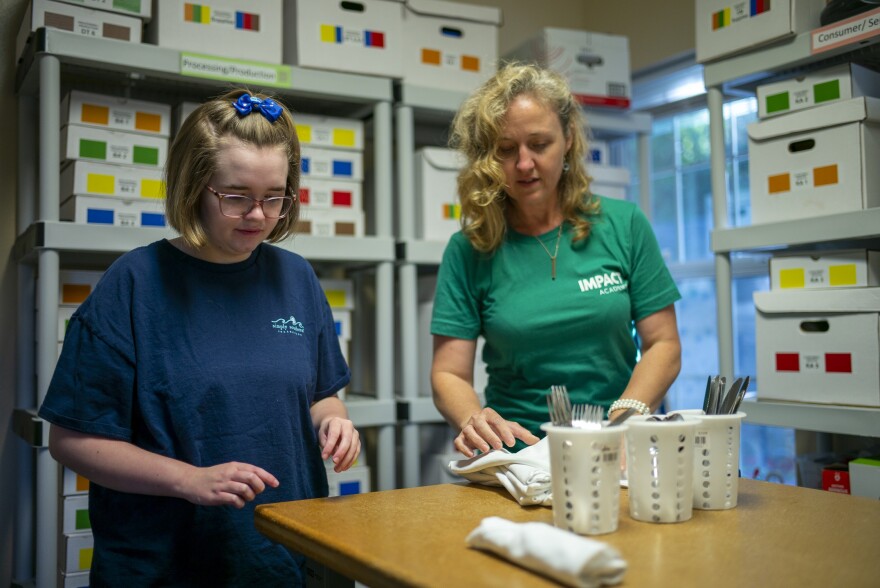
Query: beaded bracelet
x: 630, y: 403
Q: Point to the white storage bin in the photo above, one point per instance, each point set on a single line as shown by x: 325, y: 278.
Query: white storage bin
x: 141, y: 9
x: 437, y: 205
x: 355, y: 480
x: 75, y: 514
x: 840, y: 82
x: 72, y: 483
x: 828, y: 357
x: 726, y: 27
x: 336, y: 164
x: 238, y: 29
x: 328, y: 131
x: 449, y: 45
x: 96, y: 144
x: 609, y: 181
x: 331, y: 222
x: 115, y: 211
x: 76, y: 19
x: 76, y: 285
x: 315, y: 194
x: 816, y: 162
x: 102, y: 179
x: 596, y: 65
x: 119, y: 114
x: 825, y: 269
x: 75, y: 552
x: 359, y: 36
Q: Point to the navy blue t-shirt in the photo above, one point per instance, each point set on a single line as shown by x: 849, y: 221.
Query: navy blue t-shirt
x: 205, y: 363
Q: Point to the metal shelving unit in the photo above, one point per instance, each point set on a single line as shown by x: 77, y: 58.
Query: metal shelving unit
x: 44, y: 242
x: 850, y: 229
x: 417, y: 105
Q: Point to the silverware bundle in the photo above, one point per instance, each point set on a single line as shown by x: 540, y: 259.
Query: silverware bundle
x: 586, y: 416
x: 717, y: 401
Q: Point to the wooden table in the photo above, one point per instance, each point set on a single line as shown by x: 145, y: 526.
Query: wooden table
x: 777, y: 536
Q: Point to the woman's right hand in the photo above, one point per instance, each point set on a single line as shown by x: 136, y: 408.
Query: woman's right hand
x: 487, y: 430
x: 227, y: 484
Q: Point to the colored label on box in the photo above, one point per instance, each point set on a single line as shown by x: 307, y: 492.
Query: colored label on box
x: 792, y: 278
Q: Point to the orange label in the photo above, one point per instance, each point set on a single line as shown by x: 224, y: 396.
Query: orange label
x: 779, y: 183
x: 99, y: 115
x: 470, y: 63
x: 431, y: 56
x: 144, y: 121
x: 825, y: 176
x: 75, y: 293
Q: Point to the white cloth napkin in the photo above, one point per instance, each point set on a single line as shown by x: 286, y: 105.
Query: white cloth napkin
x: 525, y: 474
x: 567, y: 558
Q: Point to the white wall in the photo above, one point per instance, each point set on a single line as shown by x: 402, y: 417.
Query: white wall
x: 657, y: 30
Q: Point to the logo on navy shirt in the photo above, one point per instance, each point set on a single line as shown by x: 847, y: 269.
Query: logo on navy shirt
x: 288, y: 325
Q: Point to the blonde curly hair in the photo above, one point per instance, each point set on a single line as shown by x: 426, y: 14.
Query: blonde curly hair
x: 475, y: 132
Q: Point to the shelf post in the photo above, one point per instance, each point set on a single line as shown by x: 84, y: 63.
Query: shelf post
x: 723, y: 279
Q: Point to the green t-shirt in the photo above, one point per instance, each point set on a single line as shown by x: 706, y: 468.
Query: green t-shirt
x: 576, y: 330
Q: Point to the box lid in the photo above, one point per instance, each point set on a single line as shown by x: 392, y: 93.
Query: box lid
x: 440, y: 158
x: 830, y: 115
x: 838, y: 300
x: 456, y: 10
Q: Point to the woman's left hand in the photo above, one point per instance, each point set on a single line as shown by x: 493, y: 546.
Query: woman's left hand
x: 339, y: 439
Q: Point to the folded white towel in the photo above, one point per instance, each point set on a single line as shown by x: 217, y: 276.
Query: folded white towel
x: 567, y: 558
x: 525, y: 474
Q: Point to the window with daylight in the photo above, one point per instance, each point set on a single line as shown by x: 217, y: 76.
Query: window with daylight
x: 682, y: 217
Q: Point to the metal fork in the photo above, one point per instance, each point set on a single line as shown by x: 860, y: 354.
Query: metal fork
x: 587, y: 416
x: 560, y: 406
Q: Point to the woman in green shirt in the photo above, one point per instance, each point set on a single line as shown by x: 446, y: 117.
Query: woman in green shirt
x: 553, y: 276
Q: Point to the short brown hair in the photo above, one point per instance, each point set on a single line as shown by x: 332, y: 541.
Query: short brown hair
x: 192, y: 160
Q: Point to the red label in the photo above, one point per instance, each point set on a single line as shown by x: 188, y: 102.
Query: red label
x: 838, y: 363
x: 788, y: 362
x: 590, y: 100
x: 341, y: 198
x: 303, y: 195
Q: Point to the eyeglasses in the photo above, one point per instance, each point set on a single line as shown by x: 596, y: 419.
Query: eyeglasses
x: 239, y: 205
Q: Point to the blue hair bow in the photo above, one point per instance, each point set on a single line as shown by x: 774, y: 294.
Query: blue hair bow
x: 268, y: 107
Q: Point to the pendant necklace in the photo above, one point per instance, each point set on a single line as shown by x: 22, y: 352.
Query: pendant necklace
x: 555, y: 252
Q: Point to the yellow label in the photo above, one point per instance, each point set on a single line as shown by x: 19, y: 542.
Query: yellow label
x: 336, y: 298
x: 85, y: 558
x: 152, y: 189
x: 100, y: 184
x: 842, y: 275
x: 792, y: 278
x: 328, y: 34
x: 304, y: 132
x: 343, y: 137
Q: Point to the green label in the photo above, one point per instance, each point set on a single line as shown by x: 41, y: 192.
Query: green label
x: 826, y: 91
x: 777, y: 102
x: 92, y: 149
x: 145, y: 155
x: 128, y: 5
x: 235, y: 70
x: 82, y: 519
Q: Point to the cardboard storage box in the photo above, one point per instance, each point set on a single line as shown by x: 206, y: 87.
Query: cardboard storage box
x: 825, y: 269
x: 823, y: 358
x: 96, y: 144
x: 141, y: 9
x: 726, y: 27
x: 331, y: 222
x: 363, y: 37
x: 342, y: 320
x: 449, y: 45
x: 840, y: 82
x: 864, y: 477
x: 75, y: 514
x: 72, y: 483
x: 120, y: 114
x: 437, y: 205
x: 248, y: 30
x: 113, y: 210
x: 336, y: 164
x: 76, y: 19
x: 596, y: 65
x: 75, y: 552
x: 355, y: 480
x: 328, y: 131
x: 73, y: 580
x: 815, y: 162
x: 340, y: 293
x: 609, y: 181
x: 103, y: 179
x: 74, y: 286
x: 330, y: 194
